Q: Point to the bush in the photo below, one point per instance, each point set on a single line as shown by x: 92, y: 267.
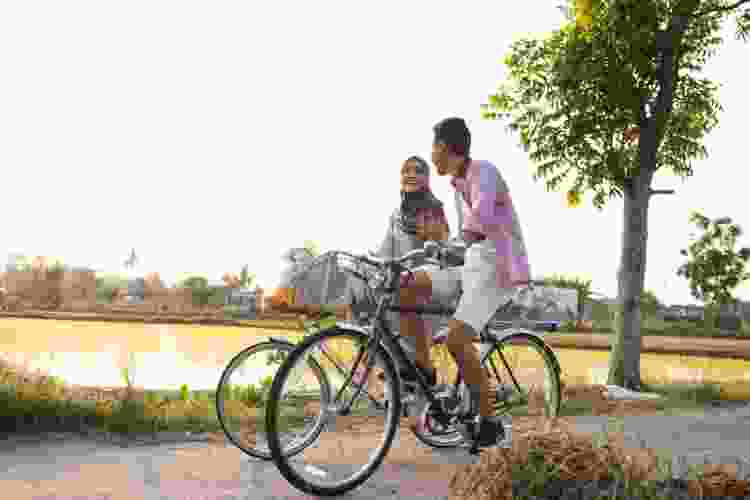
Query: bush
x: 184, y: 392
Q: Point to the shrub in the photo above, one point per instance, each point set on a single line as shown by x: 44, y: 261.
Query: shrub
x: 183, y: 392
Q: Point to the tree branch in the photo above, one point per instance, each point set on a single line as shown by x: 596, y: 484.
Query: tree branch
x: 721, y: 9
x: 661, y: 191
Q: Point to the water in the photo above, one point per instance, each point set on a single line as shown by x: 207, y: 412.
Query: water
x: 166, y: 369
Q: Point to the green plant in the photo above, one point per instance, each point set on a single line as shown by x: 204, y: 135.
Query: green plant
x: 312, y: 247
x: 184, y: 392
x: 125, y: 374
x: 252, y: 395
x: 582, y: 286
x: 714, y: 268
x: 107, y: 284
x: 226, y: 392
x: 246, y: 277
x: 275, y: 357
x: 266, y: 382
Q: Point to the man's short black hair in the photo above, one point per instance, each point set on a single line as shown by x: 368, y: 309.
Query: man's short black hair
x: 454, y: 133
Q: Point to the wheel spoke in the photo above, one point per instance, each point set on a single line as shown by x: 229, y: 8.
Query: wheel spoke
x: 356, y: 433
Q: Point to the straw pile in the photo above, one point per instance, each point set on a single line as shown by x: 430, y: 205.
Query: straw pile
x: 582, y: 466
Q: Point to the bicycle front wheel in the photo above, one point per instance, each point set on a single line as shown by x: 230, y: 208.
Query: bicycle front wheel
x: 353, y: 443
x: 241, y: 398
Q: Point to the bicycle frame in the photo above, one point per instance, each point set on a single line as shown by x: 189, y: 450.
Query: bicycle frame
x: 382, y: 335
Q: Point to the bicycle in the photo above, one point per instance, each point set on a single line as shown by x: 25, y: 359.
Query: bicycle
x: 375, y: 343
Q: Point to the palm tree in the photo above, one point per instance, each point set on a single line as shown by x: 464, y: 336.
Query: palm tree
x: 131, y: 261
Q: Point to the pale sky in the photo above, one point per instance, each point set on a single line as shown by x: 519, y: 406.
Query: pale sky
x: 214, y: 134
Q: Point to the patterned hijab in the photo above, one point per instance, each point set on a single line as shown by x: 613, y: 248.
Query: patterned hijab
x: 422, y: 198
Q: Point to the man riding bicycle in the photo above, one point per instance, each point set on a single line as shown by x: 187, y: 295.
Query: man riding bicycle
x: 495, y: 263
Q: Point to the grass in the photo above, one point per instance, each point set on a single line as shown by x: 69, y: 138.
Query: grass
x: 538, y: 472
x: 677, y: 398
x: 651, y: 325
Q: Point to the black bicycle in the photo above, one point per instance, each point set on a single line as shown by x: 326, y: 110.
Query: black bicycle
x: 363, y: 429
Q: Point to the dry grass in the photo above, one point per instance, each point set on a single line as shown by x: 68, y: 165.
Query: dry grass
x: 547, y: 449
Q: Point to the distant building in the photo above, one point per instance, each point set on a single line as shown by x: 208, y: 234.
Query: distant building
x: 315, y: 284
x: 240, y: 297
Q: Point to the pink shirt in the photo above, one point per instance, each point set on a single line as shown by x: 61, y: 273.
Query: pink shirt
x: 488, y: 210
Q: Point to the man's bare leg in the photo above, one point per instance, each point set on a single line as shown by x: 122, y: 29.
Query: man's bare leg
x: 461, y: 346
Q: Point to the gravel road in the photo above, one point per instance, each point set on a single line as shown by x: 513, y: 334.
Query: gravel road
x: 82, y: 468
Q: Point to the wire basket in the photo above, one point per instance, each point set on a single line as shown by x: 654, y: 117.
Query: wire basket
x: 312, y: 276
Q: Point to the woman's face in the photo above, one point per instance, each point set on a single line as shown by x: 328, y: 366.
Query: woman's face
x: 412, y: 178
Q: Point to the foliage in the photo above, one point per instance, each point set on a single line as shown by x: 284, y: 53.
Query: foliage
x: 276, y: 357
x: 246, y: 277
x: 312, y: 247
x: 194, y: 282
x: 650, y: 303
x: 714, y: 268
x: 572, y: 95
x: 106, y: 286
x: 581, y: 95
x: 583, y: 287
x: 203, y: 294
x: 184, y: 392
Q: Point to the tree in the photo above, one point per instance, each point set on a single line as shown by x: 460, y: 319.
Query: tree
x: 583, y: 287
x: 611, y: 97
x: 650, y: 303
x: 246, y: 277
x: 714, y: 269
x: 131, y: 261
x: 312, y: 247
x: 194, y: 282
x: 106, y: 286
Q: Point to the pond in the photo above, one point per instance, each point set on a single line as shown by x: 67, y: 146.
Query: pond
x: 163, y: 357
x: 157, y: 356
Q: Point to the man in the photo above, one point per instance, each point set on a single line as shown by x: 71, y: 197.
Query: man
x: 495, y: 263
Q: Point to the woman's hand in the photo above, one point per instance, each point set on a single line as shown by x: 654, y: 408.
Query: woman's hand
x: 432, y: 231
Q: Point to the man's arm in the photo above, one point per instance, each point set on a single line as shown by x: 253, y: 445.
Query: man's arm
x: 491, y: 206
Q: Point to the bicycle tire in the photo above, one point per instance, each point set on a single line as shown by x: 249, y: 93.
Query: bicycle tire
x: 552, y: 366
x: 257, y: 452
x: 393, y: 409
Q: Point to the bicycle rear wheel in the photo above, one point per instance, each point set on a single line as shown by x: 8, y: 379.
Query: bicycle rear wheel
x: 240, y: 397
x: 525, y: 374
x: 352, y: 445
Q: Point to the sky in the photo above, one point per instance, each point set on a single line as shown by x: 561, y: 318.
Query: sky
x: 212, y: 135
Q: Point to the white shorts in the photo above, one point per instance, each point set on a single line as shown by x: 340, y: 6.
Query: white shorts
x: 478, y: 278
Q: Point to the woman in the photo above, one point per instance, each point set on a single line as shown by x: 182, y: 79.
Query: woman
x: 419, y: 217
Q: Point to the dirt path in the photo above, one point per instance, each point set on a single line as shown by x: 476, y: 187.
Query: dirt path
x: 81, y: 469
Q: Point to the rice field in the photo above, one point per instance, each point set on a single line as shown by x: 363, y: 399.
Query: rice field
x: 162, y: 356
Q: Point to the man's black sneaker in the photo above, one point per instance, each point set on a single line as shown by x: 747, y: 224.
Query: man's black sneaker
x: 490, y: 432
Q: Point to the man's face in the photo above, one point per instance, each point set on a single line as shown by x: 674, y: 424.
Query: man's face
x: 439, y: 153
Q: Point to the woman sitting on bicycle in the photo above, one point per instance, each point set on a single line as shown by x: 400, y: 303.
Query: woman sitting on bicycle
x: 419, y: 217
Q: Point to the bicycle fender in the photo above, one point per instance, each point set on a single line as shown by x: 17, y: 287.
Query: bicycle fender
x: 503, y: 334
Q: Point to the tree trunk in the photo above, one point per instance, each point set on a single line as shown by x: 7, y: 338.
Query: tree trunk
x: 625, y: 357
